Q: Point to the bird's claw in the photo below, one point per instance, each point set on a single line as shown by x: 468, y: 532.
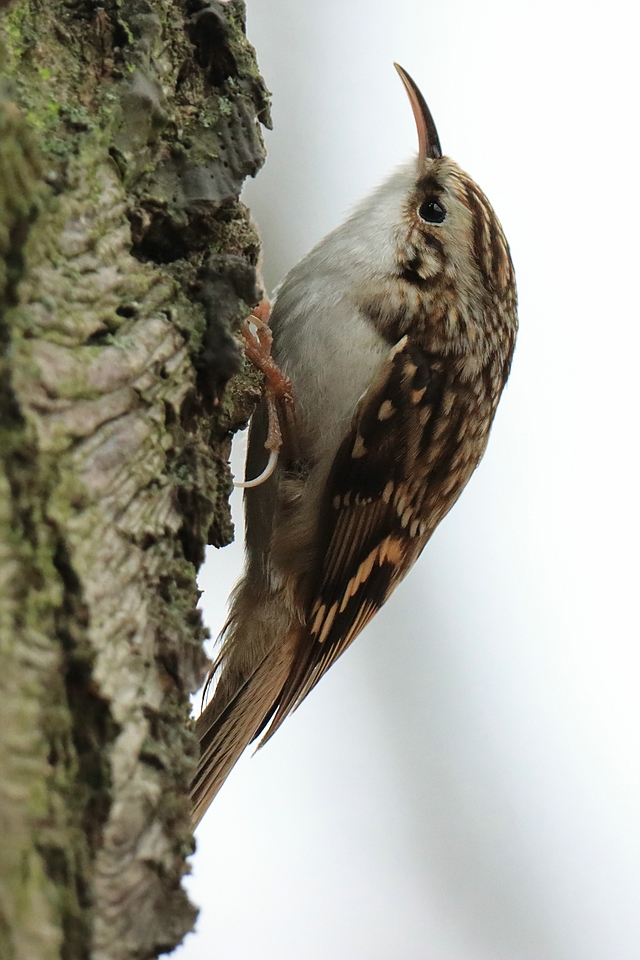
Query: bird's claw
x: 278, y: 391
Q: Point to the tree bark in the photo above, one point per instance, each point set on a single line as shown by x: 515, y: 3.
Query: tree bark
x: 126, y: 266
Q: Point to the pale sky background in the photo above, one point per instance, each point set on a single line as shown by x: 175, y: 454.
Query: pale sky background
x: 465, y: 783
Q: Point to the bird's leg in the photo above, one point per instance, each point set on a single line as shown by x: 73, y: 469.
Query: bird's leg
x: 278, y: 394
x: 258, y: 350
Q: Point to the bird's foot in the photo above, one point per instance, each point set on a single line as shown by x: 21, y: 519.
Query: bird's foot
x: 278, y: 393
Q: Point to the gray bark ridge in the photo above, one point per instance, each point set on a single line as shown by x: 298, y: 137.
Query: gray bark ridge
x: 127, y: 264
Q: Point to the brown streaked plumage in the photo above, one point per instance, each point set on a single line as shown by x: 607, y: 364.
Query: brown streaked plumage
x: 397, y: 332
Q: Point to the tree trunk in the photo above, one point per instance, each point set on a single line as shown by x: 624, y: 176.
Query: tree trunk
x: 126, y: 265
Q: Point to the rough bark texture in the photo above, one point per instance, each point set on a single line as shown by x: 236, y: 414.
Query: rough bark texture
x: 126, y: 264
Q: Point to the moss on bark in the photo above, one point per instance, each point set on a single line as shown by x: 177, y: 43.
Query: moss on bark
x: 127, y: 264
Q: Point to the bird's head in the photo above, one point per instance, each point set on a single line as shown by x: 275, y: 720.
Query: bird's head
x: 448, y: 260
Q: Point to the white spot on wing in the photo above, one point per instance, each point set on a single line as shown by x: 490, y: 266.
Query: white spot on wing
x: 359, y: 449
x: 386, y: 410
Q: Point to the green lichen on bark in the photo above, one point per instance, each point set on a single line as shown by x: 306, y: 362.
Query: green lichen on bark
x: 126, y: 266
x: 29, y: 593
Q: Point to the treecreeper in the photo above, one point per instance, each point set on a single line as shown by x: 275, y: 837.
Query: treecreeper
x: 397, y: 332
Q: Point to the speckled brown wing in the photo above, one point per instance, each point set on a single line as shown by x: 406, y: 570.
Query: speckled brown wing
x: 372, y: 522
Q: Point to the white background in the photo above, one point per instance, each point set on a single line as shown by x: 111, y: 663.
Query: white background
x: 465, y: 783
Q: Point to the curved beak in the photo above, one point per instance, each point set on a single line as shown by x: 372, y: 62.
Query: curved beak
x: 428, y: 141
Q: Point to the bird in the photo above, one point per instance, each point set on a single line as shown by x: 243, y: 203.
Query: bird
x: 397, y: 333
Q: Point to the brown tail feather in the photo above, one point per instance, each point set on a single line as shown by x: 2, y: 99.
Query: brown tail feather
x: 224, y: 733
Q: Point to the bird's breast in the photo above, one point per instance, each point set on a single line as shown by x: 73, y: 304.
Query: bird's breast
x: 331, y: 352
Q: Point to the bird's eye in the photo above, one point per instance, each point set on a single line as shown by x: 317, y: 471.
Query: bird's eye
x: 432, y: 211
